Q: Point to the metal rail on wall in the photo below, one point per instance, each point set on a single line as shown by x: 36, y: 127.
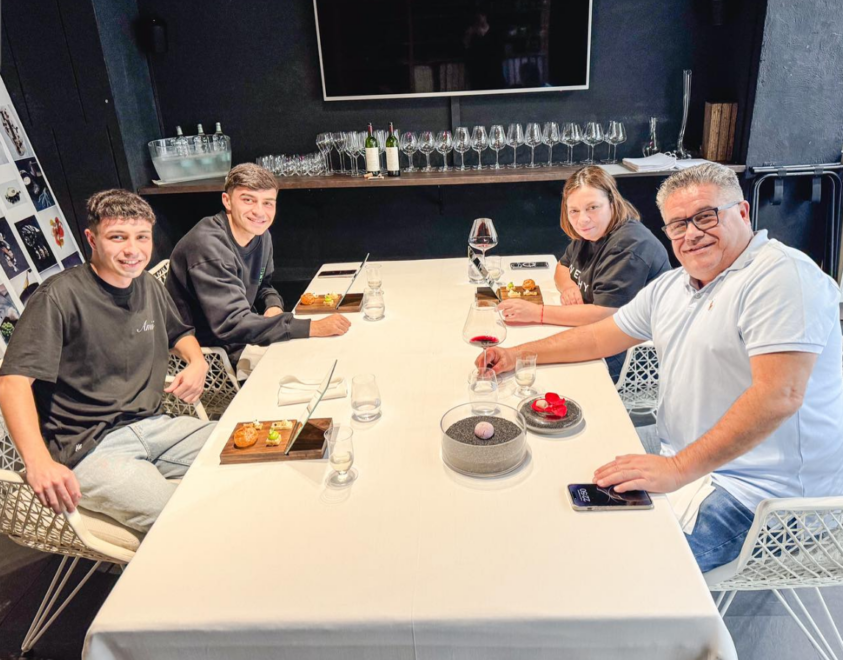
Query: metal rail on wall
x: 831, y: 171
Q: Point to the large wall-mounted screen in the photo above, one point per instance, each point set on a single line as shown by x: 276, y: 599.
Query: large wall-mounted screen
x: 406, y: 48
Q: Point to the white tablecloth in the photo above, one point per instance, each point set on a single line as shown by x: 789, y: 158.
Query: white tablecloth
x: 412, y: 560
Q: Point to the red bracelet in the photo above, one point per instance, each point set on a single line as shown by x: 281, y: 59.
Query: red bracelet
x: 541, y: 320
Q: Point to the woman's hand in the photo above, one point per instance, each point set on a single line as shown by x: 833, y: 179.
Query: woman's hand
x: 571, y: 296
x: 519, y: 312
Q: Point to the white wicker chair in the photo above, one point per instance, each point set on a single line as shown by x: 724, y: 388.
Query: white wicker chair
x: 638, y: 383
x: 794, y: 543
x: 78, y: 535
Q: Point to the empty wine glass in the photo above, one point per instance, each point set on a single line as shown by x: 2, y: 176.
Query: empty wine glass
x: 381, y: 135
x: 462, y: 144
x: 592, y: 137
x: 323, y: 142
x: 361, y: 152
x: 497, y: 141
x: 525, y: 374
x: 550, y: 137
x: 514, y: 139
x: 533, y: 138
x: 427, y: 144
x: 571, y: 137
x: 353, y: 147
x: 444, y: 145
x: 341, y: 454
x: 339, y: 145
x: 409, y: 145
x: 479, y: 142
x: 615, y: 135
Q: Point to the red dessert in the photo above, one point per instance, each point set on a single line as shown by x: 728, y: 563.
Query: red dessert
x: 555, y: 406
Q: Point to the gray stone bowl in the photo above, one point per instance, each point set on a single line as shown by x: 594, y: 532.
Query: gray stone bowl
x: 570, y: 424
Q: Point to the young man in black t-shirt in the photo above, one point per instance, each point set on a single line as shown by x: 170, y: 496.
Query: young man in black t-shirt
x: 82, y: 379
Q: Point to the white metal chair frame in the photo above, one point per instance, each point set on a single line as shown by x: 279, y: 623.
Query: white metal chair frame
x: 793, y: 543
x: 28, y: 523
x: 638, y: 382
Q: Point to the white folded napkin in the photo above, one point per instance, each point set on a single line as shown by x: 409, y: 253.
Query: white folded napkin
x: 299, y: 390
x: 687, y: 500
x: 654, y: 163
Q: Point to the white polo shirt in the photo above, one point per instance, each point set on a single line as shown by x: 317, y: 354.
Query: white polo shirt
x: 771, y: 299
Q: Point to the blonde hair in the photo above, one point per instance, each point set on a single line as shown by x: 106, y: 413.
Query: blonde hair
x: 699, y: 175
x: 597, y: 178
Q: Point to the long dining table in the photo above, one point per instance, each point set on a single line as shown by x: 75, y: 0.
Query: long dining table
x: 411, y: 560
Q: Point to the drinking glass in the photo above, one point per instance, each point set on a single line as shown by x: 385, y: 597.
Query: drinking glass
x: 427, y: 144
x: 479, y: 142
x: 462, y: 144
x: 615, y: 135
x: 474, y: 276
x: 494, y: 268
x: 592, y: 137
x: 533, y: 138
x: 361, y: 150
x: 444, y: 145
x: 571, y: 137
x: 550, y: 137
x: 373, y: 304
x: 324, y: 147
x: 483, y: 235
x: 339, y: 145
x: 514, y: 139
x: 497, y: 141
x: 381, y: 135
x: 373, y: 276
x: 525, y: 374
x: 409, y: 145
x: 341, y: 454
x: 353, y: 147
x: 365, y: 398
x: 483, y: 391
x: 484, y: 326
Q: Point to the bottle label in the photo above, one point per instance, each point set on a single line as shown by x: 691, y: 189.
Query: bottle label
x: 392, y: 159
x: 373, y: 162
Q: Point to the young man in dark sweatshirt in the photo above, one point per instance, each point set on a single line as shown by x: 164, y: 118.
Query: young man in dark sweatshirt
x: 221, y: 272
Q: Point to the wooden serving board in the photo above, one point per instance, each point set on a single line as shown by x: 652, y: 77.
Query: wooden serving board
x: 310, y: 445
x: 502, y: 291
x: 353, y: 302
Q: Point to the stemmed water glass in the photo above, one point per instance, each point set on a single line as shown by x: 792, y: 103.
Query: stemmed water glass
x: 479, y: 142
x: 497, y: 141
x: 353, y: 148
x: 427, y: 144
x: 571, y: 137
x: 444, y: 145
x: 341, y: 454
x: 514, y: 139
x: 525, y: 374
x: 615, y: 135
x: 484, y: 326
x: 409, y: 145
x: 339, y: 145
x: 533, y: 138
x: 323, y: 142
x: 550, y: 137
x: 592, y: 137
x: 462, y: 144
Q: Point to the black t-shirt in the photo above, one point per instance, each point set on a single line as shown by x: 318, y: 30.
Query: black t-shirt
x: 98, y: 355
x: 611, y: 271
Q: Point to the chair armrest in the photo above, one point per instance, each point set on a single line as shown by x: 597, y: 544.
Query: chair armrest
x: 77, y: 524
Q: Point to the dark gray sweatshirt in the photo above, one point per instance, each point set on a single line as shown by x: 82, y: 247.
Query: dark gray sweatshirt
x: 222, y: 289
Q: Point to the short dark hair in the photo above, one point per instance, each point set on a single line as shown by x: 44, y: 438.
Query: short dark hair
x: 117, y: 203
x: 251, y: 176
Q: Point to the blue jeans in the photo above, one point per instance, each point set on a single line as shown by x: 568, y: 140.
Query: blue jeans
x: 722, y: 526
x: 125, y: 477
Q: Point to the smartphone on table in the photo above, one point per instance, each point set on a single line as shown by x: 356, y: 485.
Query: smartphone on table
x: 522, y: 265
x: 337, y: 273
x: 591, y: 497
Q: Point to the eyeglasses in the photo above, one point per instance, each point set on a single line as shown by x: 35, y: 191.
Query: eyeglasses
x: 704, y: 220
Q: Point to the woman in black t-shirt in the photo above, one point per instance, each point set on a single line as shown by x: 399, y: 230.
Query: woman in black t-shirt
x: 612, y: 256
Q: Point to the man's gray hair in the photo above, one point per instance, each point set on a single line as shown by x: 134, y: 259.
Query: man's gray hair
x: 700, y: 175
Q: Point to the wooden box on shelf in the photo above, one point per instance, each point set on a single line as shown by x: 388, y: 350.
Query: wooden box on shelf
x: 719, y: 131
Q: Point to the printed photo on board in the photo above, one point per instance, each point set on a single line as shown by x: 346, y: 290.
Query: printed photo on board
x: 36, y: 185
x: 36, y: 244
x: 11, y: 256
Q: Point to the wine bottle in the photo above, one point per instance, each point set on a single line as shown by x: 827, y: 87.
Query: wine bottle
x: 182, y: 148
x: 217, y: 141
x: 392, y: 166
x: 201, y: 141
x: 373, y: 159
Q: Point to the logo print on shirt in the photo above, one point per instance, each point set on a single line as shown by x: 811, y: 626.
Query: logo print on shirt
x: 260, y: 277
x: 146, y: 327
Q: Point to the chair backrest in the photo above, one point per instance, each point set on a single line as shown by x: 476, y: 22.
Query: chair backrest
x: 9, y: 457
x: 161, y: 270
x: 221, y: 384
x: 638, y: 383
x: 793, y: 542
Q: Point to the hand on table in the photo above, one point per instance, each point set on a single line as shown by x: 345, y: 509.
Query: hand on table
x: 335, y: 324
x: 571, y: 296
x: 189, y: 383
x: 656, y: 474
x: 519, y: 312
x: 273, y: 311
x: 54, y: 484
x: 498, y: 359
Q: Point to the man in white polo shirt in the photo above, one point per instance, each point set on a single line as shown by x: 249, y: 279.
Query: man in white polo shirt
x: 749, y: 344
